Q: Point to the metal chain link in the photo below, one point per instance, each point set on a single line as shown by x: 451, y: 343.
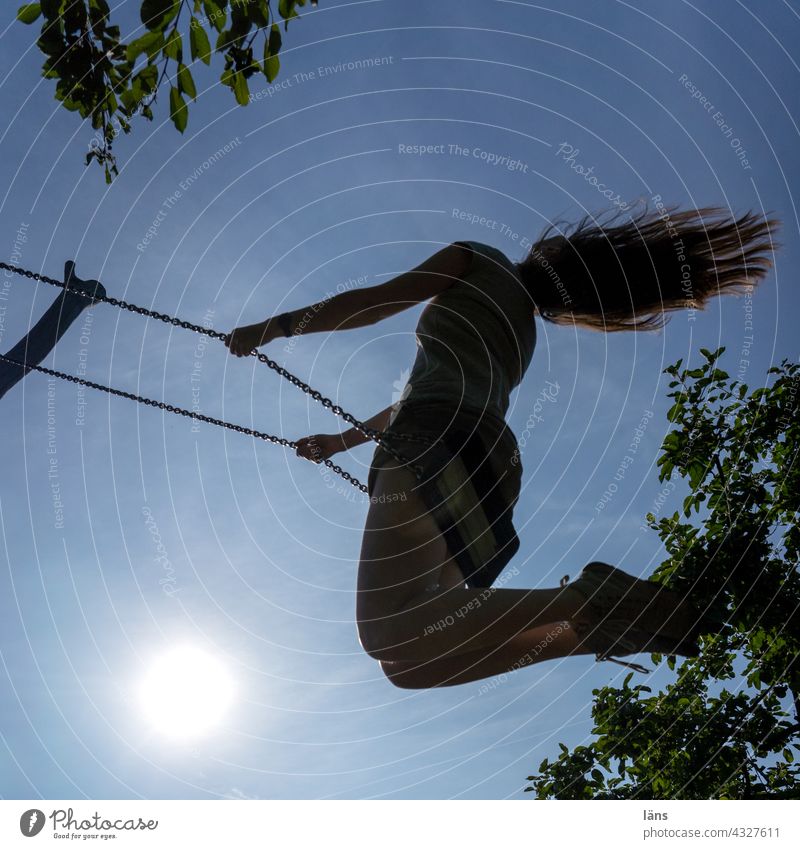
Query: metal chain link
x: 162, y: 405
x: 378, y: 436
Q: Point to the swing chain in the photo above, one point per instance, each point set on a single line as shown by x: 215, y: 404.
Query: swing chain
x: 162, y: 405
x: 371, y: 433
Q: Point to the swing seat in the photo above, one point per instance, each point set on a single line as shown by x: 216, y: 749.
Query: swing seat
x: 42, y: 337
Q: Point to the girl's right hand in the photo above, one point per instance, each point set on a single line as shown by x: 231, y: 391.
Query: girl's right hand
x: 320, y: 446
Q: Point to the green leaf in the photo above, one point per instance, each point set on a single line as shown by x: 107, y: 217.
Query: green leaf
x: 185, y: 82
x: 272, y: 45
x: 173, y: 49
x: 272, y: 64
x: 110, y: 102
x: 29, y: 12
x: 129, y: 99
x: 697, y: 471
x: 150, y: 42
x: 198, y: 42
x: 287, y: 11
x: 240, y: 89
x: 156, y: 14
x: 215, y: 13
x: 178, y: 110
x: 275, y: 41
x: 146, y: 79
x: 259, y: 14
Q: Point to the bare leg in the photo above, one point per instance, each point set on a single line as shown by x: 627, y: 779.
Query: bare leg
x: 403, y: 612
x: 546, y: 642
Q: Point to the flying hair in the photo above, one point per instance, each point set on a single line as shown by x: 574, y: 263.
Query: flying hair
x: 626, y: 270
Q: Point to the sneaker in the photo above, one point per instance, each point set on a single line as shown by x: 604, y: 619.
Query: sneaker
x: 618, y: 637
x: 649, y: 607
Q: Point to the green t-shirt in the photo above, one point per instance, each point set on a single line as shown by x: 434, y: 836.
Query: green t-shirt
x: 475, y: 339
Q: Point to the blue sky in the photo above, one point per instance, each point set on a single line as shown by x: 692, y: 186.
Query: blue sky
x: 271, y: 207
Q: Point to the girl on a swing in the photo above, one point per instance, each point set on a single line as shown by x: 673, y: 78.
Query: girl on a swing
x: 426, y: 609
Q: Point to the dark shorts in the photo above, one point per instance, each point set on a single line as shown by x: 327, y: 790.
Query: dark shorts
x: 470, y: 483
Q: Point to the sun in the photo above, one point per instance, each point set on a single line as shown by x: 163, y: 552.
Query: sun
x: 186, y: 692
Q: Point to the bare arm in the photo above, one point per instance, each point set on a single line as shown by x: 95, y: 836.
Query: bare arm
x: 362, y: 307
x: 323, y: 445
x: 353, y: 437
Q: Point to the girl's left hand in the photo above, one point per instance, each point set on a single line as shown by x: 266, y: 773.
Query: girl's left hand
x: 243, y: 339
x: 320, y: 447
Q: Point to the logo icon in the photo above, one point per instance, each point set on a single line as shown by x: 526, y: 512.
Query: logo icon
x: 402, y: 389
x: 31, y: 822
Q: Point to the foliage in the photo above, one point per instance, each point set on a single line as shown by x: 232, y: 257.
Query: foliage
x: 700, y: 738
x: 111, y: 81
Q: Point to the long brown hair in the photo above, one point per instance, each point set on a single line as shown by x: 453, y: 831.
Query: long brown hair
x: 611, y: 276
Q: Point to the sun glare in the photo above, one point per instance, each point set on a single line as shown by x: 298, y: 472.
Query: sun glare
x: 186, y: 692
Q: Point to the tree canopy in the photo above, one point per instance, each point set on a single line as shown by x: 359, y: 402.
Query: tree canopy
x: 111, y: 81
x: 727, y: 726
